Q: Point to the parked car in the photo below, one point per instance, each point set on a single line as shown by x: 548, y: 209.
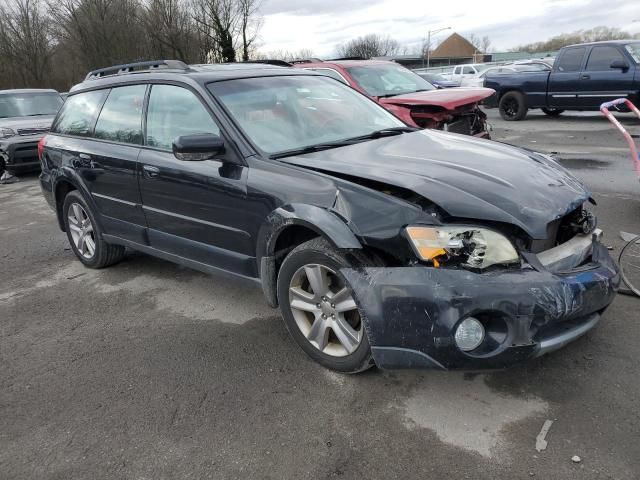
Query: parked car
x: 381, y: 243
x: 477, y: 80
x: 461, y: 72
x: 438, y: 80
x: 25, y: 115
x: 410, y: 97
x: 582, y: 78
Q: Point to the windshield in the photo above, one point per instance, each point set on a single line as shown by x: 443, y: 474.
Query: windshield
x: 286, y: 113
x: 387, y: 80
x: 634, y: 50
x: 29, y: 104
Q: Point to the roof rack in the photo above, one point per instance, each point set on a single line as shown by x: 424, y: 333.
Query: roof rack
x: 348, y: 58
x: 137, y: 67
x: 307, y: 60
x: 277, y: 63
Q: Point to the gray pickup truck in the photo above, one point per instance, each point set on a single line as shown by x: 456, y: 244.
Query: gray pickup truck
x: 583, y: 77
x: 25, y: 116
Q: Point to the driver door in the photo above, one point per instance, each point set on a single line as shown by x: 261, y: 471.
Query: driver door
x: 194, y: 209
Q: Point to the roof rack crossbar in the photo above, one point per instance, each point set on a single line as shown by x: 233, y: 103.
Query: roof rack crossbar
x: 137, y: 67
x: 275, y: 62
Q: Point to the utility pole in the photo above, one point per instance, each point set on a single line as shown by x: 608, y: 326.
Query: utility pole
x: 429, y: 33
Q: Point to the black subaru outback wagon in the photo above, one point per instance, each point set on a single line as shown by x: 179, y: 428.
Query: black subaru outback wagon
x: 381, y: 244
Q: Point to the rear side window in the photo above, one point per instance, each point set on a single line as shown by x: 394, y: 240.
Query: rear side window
x: 175, y: 111
x: 121, y: 116
x: 79, y: 112
x: 601, y: 58
x: 571, y: 60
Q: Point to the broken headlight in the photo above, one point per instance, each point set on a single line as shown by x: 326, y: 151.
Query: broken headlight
x: 473, y: 247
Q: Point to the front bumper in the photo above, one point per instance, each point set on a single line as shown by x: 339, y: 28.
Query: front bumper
x: 411, y: 313
x: 20, y: 153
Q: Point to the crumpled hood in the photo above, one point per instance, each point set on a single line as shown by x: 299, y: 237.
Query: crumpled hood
x: 449, y: 98
x: 466, y: 177
x: 35, y: 122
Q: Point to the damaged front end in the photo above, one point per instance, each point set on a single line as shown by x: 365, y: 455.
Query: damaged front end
x: 466, y: 120
x: 416, y: 315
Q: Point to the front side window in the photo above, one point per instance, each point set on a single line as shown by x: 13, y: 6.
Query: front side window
x: 571, y: 60
x: 29, y: 104
x: 387, y: 80
x: 289, y: 112
x: 468, y: 71
x: 601, y: 58
x: 121, y: 116
x: 79, y: 112
x: 174, y: 111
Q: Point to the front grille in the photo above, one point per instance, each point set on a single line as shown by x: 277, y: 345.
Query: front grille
x: 32, y: 131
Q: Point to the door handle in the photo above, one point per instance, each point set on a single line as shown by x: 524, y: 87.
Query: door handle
x: 150, y: 171
x: 585, y: 77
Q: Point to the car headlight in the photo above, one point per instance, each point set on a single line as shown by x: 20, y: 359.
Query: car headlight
x: 7, y: 132
x: 474, y: 247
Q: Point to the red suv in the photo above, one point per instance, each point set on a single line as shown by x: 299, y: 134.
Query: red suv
x: 409, y: 96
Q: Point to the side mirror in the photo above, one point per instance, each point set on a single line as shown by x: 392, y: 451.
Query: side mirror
x: 198, y: 147
x: 620, y: 64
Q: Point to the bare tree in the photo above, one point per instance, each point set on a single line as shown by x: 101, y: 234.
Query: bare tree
x: 25, y: 43
x: 593, y: 35
x: 171, y: 30
x: 217, y: 24
x: 250, y: 24
x: 286, y: 55
x: 371, y: 45
x: 482, y: 44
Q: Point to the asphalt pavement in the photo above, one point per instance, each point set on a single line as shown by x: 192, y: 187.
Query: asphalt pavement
x: 148, y: 370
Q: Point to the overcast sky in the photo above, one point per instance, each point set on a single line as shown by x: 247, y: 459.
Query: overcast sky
x: 320, y: 25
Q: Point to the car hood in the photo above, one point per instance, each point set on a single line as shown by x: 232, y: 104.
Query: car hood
x: 450, y: 98
x: 40, y: 122
x: 466, y: 177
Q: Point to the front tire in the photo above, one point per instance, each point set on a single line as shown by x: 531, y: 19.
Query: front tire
x: 513, y: 106
x: 85, y: 236
x: 320, y: 309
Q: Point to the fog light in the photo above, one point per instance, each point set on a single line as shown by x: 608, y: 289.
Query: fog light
x: 469, y: 334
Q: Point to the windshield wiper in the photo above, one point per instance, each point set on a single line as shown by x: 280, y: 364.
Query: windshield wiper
x: 37, y: 114
x: 384, y: 132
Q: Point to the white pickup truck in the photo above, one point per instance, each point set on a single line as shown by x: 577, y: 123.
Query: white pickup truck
x: 464, y: 71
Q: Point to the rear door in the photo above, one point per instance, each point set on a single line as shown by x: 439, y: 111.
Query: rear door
x: 194, y: 209
x: 102, y: 132
x: 599, y: 82
x: 564, y: 81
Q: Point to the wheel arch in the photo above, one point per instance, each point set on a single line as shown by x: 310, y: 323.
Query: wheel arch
x: 286, y: 228
x: 66, y: 182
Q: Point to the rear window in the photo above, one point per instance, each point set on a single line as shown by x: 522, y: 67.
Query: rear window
x: 634, y: 51
x: 78, y: 114
x: 121, y: 117
x: 571, y: 60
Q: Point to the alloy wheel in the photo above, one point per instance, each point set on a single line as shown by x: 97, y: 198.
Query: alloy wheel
x: 81, y: 230
x: 325, y: 311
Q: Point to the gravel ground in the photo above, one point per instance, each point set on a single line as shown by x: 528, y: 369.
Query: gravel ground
x: 147, y: 370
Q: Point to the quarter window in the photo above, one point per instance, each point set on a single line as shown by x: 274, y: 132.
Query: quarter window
x: 121, y: 117
x: 571, y: 60
x: 175, y: 111
x: 601, y: 58
x: 78, y: 113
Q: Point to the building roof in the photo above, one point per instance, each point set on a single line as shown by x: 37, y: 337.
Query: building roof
x: 454, y: 46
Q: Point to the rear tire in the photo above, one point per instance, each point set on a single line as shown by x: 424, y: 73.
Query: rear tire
x: 552, y: 112
x: 513, y: 106
x: 85, y: 235
x: 325, y: 321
